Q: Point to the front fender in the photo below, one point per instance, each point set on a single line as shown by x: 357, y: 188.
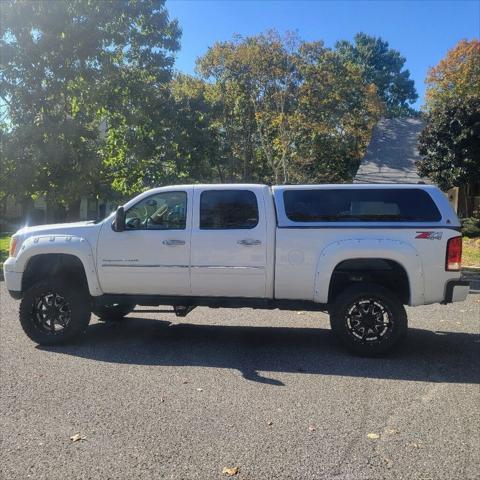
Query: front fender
x: 401, y: 252
x: 60, y: 244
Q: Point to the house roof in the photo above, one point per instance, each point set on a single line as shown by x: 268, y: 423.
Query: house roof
x: 392, y: 153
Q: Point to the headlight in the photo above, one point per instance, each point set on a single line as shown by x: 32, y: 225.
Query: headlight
x: 13, y: 246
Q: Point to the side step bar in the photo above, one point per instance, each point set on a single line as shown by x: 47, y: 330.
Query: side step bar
x: 178, y: 310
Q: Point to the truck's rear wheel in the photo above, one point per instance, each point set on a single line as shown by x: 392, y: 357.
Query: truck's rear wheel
x: 369, y: 319
x: 53, y: 312
x: 113, y: 313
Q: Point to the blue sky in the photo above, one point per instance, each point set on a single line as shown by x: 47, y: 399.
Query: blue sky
x: 423, y: 31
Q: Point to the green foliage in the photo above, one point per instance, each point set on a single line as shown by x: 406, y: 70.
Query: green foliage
x: 291, y: 110
x: 4, y: 246
x: 450, y: 144
x: 456, y: 77
x: 70, y: 68
x: 382, y: 66
x: 471, y: 252
x: 91, y: 105
x: 196, y: 144
x: 471, y: 227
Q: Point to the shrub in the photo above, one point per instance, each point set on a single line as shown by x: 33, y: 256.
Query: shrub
x: 471, y: 227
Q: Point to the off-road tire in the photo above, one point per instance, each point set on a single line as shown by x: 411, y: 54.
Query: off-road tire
x: 76, y: 297
x: 374, y: 306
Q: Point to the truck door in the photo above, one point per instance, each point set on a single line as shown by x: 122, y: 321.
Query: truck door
x: 229, y: 251
x: 152, y: 254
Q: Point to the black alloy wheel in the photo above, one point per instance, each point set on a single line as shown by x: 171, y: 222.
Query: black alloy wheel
x: 51, y: 313
x: 54, y: 312
x: 369, y: 319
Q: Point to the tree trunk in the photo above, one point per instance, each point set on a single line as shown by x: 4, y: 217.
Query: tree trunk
x: 466, y: 199
x: 3, y: 210
x: 27, y: 208
x: 56, y: 213
x: 73, y: 211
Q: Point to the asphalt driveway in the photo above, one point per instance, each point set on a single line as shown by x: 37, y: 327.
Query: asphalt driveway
x: 271, y: 393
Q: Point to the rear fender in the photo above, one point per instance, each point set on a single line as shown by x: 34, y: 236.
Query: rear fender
x: 401, y: 252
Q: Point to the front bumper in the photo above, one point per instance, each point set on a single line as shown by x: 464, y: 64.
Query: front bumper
x: 456, y: 291
x: 13, y: 279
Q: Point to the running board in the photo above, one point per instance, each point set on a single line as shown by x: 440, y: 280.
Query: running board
x: 189, y: 302
x: 178, y: 310
x: 153, y: 311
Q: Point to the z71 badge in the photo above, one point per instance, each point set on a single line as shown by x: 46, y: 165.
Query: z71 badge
x: 429, y: 235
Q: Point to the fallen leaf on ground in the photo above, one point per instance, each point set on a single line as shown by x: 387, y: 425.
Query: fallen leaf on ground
x: 230, y: 471
x: 373, y: 436
x: 77, y: 438
x: 416, y: 445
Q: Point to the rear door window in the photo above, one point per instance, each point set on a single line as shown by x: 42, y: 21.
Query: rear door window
x: 360, y: 205
x: 228, y: 209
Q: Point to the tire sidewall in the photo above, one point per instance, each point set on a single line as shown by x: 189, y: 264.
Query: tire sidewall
x: 380, y: 294
x: 79, y: 302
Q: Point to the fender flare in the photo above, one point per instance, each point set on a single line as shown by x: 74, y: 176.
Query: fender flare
x: 387, y: 249
x: 61, y: 244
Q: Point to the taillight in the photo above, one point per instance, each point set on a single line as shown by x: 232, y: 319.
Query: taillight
x: 454, y: 254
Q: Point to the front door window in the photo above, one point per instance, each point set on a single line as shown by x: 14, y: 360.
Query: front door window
x: 162, y: 211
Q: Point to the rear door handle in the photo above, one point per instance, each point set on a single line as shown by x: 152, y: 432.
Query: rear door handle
x: 173, y: 242
x: 249, y: 242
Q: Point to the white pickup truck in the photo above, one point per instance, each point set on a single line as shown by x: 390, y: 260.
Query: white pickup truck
x: 360, y: 252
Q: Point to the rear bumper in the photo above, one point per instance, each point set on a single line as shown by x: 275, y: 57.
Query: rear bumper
x: 456, y: 291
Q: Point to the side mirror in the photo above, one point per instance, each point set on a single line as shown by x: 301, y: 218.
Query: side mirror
x: 119, y: 225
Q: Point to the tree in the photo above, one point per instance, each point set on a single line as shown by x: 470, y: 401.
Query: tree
x: 335, y: 116
x: 292, y: 111
x: 450, y: 143
x: 457, y: 76
x: 384, y: 67
x: 197, y: 143
x: 84, y: 85
x: 230, y: 65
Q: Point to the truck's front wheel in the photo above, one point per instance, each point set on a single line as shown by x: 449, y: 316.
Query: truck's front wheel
x: 54, y: 312
x: 368, y: 319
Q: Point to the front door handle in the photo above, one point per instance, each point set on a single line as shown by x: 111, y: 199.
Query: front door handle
x: 249, y: 242
x: 173, y: 242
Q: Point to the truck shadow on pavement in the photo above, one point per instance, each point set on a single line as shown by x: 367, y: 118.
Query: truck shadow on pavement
x: 426, y: 355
